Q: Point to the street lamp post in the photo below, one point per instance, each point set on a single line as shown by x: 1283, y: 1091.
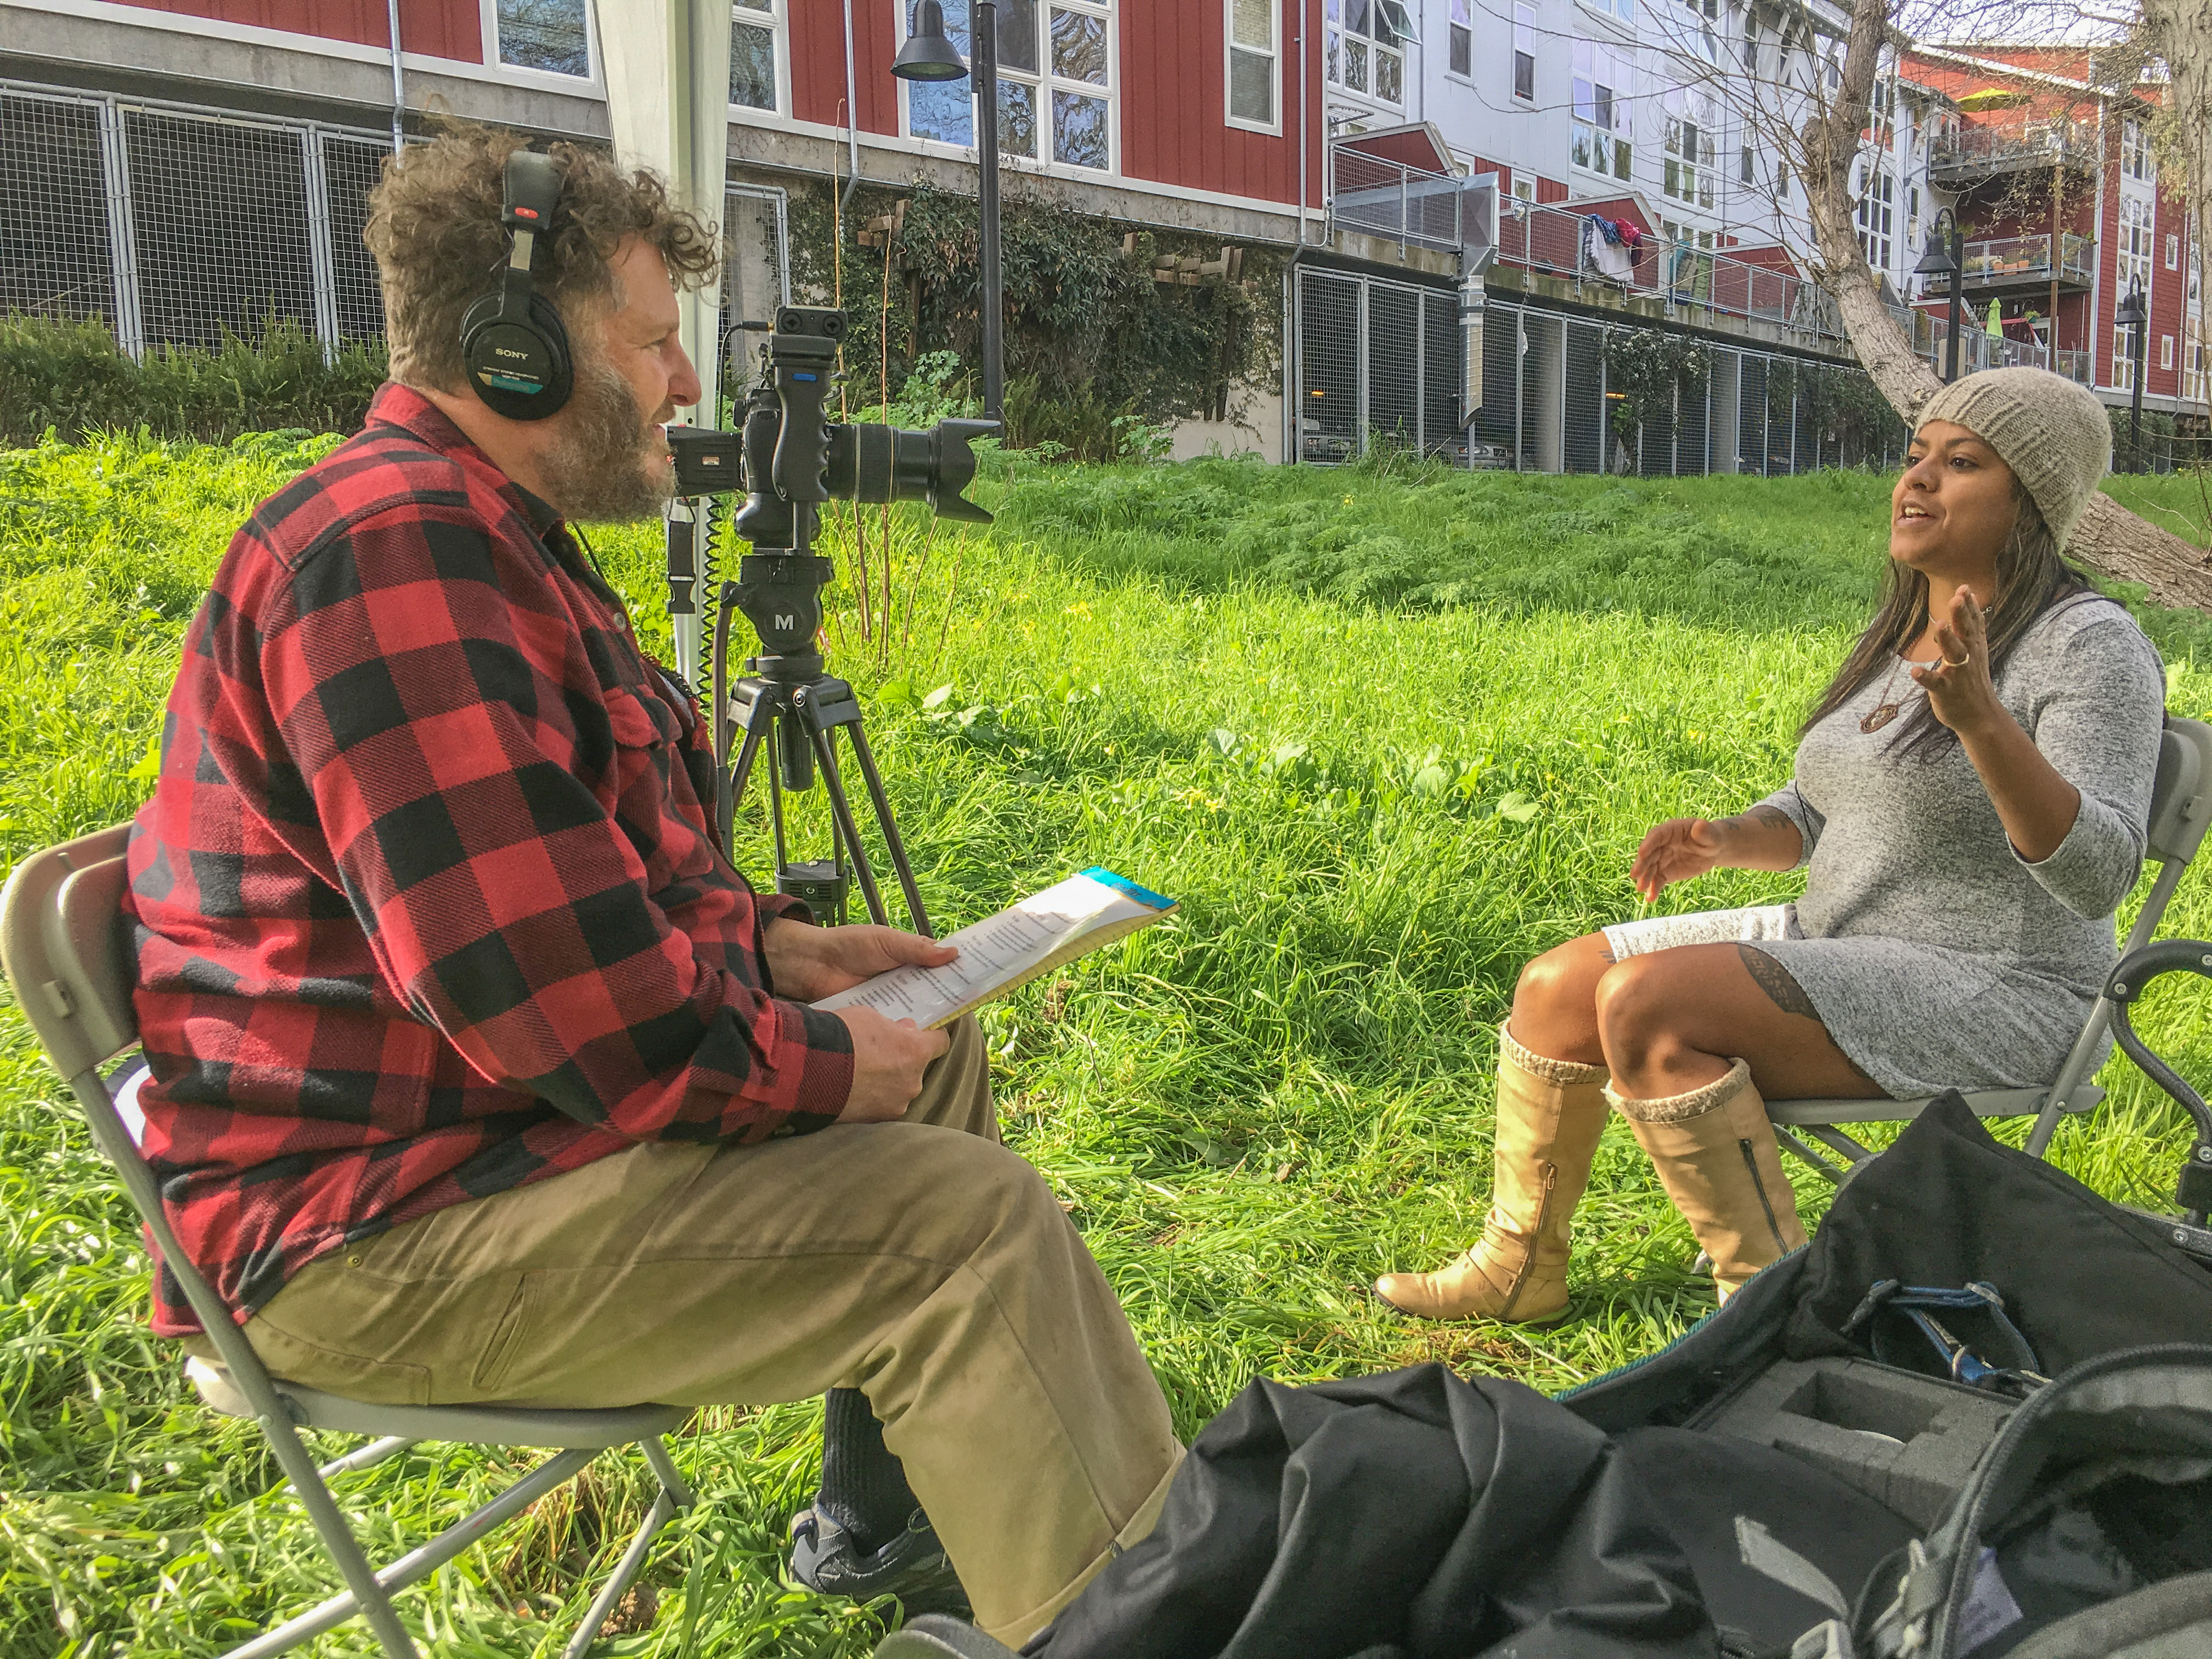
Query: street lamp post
x: 1947, y: 256
x: 2133, y: 314
x: 928, y: 56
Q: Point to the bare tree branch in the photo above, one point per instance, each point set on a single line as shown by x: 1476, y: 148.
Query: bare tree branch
x: 1820, y: 130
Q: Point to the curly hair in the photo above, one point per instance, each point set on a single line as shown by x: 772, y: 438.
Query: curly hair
x: 434, y: 227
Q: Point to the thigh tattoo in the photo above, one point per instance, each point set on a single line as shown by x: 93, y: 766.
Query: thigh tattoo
x: 1775, y: 980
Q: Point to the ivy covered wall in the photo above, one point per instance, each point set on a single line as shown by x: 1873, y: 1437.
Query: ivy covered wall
x: 1090, y: 336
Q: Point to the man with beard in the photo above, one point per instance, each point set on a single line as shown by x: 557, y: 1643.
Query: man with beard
x: 477, y: 1071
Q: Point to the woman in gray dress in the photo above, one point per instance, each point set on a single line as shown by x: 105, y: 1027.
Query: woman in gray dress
x: 1971, y: 797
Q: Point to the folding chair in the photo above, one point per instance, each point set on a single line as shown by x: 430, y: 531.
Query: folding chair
x: 61, y: 943
x: 2180, y: 808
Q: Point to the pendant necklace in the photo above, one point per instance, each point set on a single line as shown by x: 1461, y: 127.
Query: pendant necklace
x: 1885, y: 710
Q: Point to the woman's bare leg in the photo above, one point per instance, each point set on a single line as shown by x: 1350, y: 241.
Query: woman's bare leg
x: 1555, y: 1004
x: 1675, y: 1020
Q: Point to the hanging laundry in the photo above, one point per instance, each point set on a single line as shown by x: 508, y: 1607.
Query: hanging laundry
x: 1606, y: 252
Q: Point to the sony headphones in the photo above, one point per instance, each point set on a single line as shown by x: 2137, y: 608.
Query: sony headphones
x: 513, y: 346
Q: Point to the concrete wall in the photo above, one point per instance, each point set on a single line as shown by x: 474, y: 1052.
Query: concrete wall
x: 1259, y: 432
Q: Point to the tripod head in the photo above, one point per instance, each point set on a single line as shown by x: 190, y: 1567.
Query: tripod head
x: 789, y: 457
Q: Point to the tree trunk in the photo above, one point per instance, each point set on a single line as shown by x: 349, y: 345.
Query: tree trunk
x: 2109, y: 539
x: 1831, y: 145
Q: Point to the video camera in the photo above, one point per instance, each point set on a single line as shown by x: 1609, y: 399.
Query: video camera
x: 789, y: 459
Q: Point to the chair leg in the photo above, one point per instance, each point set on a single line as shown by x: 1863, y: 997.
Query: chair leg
x: 367, y: 1593
x: 1833, y: 1174
x: 555, y: 1472
x: 674, y: 1495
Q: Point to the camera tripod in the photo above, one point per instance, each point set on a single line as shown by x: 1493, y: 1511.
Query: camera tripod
x: 791, y: 460
x: 790, y: 707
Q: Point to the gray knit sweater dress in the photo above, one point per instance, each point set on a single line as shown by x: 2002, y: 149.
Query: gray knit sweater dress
x: 1937, y: 957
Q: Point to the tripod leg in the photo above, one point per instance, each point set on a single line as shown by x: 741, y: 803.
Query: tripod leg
x: 867, y: 760
x: 775, y: 807
x: 841, y: 809
x: 731, y: 792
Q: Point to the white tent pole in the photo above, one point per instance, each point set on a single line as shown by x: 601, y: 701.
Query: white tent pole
x: 666, y: 66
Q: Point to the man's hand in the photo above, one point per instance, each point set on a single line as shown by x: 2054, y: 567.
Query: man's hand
x: 1675, y: 851
x: 809, y: 963
x: 888, y: 1061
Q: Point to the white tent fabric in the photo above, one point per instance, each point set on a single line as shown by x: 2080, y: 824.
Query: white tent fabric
x: 667, y: 64
x: 667, y: 69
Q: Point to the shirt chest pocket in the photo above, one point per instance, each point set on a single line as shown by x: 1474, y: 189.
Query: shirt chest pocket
x: 639, y: 719
x: 647, y: 743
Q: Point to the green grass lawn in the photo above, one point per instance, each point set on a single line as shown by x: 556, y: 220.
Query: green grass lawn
x: 1385, y: 737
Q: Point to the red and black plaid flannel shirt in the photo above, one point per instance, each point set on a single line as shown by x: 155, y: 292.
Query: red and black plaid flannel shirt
x: 425, y: 902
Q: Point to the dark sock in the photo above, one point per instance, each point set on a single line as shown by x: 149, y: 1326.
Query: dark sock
x: 864, y: 1487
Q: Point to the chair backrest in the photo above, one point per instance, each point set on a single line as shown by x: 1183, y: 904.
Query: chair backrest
x: 2181, y: 800
x: 61, y: 943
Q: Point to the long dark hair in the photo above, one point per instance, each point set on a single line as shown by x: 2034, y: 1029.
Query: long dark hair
x: 2032, y: 577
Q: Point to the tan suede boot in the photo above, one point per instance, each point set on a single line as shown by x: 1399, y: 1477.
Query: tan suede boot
x: 1716, y: 1157
x: 1550, y: 1115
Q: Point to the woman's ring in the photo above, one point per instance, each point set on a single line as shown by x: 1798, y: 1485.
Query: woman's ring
x: 1961, y: 663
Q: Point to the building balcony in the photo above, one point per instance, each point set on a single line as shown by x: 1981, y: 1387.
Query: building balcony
x: 1979, y: 154
x: 1931, y: 337
x: 2007, y: 264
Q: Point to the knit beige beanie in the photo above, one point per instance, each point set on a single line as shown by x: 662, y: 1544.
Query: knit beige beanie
x: 2053, y: 434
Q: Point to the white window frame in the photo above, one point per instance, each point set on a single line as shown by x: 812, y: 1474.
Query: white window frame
x: 1046, y: 84
x: 1454, y: 28
x: 1524, y: 18
x: 749, y: 14
x: 2134, y: 152
x: 1230, y: 47
x: 2172, y: 252
x: 2165, y: 352
x: 488, y: 31
x: 1621, y: 13
x: 1875, y: 214
x: 1335, y: 53
x: 1619, y: 65
x: 1693, y: 173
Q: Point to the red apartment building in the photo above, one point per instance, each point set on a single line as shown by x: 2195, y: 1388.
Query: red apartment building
x: 183, y: 167
x: 2064, y: 213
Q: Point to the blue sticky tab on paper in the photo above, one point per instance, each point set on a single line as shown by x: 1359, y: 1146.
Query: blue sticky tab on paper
x: 1123, y: 885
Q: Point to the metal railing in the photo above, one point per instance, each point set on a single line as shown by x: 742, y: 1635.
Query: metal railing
x: 1979, y: 349
x: 2002, y: 149
x: 1565, y: 242
x: 1407, y: 205
x: 2023, y: 259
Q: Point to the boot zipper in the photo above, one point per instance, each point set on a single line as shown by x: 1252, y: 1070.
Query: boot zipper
x: 1535, y: 1238
x: 1751, y: 1163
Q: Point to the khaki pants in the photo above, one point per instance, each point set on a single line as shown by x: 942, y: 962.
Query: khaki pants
x: 918, y: 1260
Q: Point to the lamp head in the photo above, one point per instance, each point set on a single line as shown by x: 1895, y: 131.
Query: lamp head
x: 1937, y: 261
x: 928, y: 54
x: 2130, y: 313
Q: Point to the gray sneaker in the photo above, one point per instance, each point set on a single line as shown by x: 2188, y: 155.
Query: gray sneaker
x: 912, y: 1566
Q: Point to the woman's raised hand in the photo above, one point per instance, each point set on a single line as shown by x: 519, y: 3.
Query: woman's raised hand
x: 1961, y: 693
x: 1675, y: 851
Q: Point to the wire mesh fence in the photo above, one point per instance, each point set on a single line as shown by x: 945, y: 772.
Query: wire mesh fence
x: 1379, y: 360
x: 56, y: 257
x: 1586, y: 437
x: 220, y: 227
x: 177, y: 225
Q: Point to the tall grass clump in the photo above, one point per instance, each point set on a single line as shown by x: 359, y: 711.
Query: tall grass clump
x: 70, y: 377
x: 1384, y: 734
